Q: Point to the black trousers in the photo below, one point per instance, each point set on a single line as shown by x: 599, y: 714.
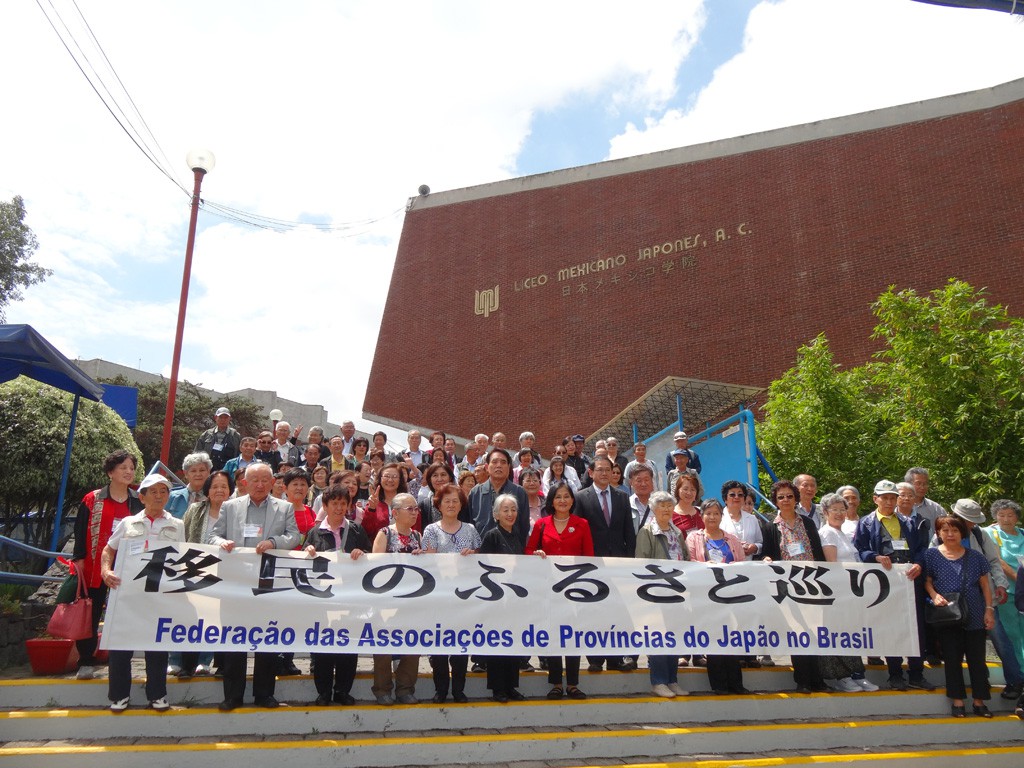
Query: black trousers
x: 572, y: 670
x: 502, y: 673
x: 87, y: 647
x: 120, y: 683
x: 333, y: 673
x: 807, y: 672
x: 725, y: 673
x: 442, y: 679
x: 264, y: 678
x: 956, y: 643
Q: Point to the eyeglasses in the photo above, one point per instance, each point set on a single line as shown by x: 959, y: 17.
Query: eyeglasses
x: 738, y: 495
x: 389, y: 477
x: 784, y: 497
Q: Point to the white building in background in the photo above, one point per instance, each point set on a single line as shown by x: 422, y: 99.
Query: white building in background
x: 295, y: 413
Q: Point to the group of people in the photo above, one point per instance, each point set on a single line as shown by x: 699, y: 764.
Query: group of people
x: 349, y: 495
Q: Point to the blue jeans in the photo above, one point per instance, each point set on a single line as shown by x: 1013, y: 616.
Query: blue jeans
x: 663, y: 669
x: 1011, y: 666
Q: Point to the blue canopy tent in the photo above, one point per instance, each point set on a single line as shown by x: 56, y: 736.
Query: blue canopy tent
x: 23, y: 352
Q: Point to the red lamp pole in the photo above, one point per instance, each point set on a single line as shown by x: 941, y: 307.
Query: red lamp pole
x: 202, y: 165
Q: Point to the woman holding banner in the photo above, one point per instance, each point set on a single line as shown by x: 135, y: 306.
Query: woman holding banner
x: 450, y: 536
x: 716, y: 546
x: 560, y: 532
x: 793, y: 537
x: 333, y: 673
x: 399, y: 537
x: 660, y: 539
x: 503, y: 539
x: 199, y: 519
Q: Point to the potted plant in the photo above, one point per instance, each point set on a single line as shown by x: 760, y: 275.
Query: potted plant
x: 51, y: 655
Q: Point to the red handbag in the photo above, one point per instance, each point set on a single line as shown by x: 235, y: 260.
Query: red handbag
x: 73, y: 620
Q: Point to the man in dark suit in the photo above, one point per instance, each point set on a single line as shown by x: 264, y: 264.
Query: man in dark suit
x: 607, y: 510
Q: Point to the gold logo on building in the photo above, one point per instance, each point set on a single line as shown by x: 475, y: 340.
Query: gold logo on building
x: 486, y: 302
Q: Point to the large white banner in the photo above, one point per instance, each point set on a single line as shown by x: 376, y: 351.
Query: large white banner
x: 190, y: 596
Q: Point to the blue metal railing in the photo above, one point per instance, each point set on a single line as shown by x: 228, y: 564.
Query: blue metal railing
x: 8, y: 577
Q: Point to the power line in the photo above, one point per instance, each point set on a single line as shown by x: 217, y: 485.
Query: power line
x: 111, y: 102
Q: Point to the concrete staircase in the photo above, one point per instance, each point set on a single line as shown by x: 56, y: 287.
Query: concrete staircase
x: 64, y: 722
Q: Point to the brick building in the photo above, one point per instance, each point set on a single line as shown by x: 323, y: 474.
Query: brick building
x: 560, y: 298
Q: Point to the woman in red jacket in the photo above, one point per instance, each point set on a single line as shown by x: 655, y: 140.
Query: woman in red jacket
x: 98, y: 514
x: 560, y: 532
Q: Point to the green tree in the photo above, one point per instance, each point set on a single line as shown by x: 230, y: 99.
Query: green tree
x: 943, y: 392
x: 951, y: 371
x: 818, y: 420
x: 34, y: 423
x: 193, y: 414
x: 17, y: 244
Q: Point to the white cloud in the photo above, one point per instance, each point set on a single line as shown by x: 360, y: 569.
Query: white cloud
x: 808, y: 60
x: 312, y: 109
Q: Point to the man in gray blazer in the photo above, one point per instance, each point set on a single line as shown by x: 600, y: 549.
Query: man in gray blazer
x: 263, y: 522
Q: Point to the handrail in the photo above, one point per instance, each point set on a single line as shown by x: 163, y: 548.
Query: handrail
x: 7, y: 577
x: 30, y: 548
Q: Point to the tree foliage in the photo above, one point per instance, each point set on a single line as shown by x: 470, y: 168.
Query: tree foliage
x: 943, y: 392
x: 34, y: 423
x: 193, y: 415
x: 17, y: 244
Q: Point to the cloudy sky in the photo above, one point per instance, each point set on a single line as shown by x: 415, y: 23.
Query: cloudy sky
x: 329, y: 115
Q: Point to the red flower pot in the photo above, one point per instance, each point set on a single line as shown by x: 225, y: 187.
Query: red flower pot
x: 51, y: 656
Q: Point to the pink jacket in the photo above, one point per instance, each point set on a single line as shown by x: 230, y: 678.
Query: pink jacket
x: 696, y: 541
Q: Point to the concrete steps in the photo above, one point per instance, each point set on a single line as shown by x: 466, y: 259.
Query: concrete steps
x: 619, y: 724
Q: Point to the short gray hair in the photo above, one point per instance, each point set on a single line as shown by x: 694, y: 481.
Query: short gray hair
x: 501, y: 500
x: 833, y: 498
x: 909, y: 476
x: 201, y: 457
x: 1000, y: 504
x: 844, y: 488
x: 660, y: 497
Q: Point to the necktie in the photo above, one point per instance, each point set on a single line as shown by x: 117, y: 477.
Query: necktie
x: 604, y: 506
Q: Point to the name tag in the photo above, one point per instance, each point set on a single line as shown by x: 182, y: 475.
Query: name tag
x: 218, y: 446
x: 136, y: 546
x: 795, y: 549
x: 250, y: 531
x: 715, y: 555
x: 900, y: 544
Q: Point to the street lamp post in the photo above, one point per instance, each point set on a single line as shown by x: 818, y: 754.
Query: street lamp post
x: 201, y: 162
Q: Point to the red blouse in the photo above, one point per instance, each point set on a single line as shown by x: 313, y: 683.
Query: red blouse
x: 687, y: 523
x: 574, y: 540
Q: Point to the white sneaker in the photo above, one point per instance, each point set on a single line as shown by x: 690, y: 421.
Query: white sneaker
x: 173, y: 669
x: 202, y: 670
x: 865, y: 685
x: 663, y: 690
x: 86, y: 673
x: 847, y: 685
x: 160, y: 705
x: 677, y: 690
x: 119, y: 706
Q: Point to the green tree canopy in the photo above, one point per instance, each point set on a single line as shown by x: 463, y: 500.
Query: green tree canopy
x: 17, y: 244
x: 34, y: 423
x: 943, y: 392
x: 193, y: 414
